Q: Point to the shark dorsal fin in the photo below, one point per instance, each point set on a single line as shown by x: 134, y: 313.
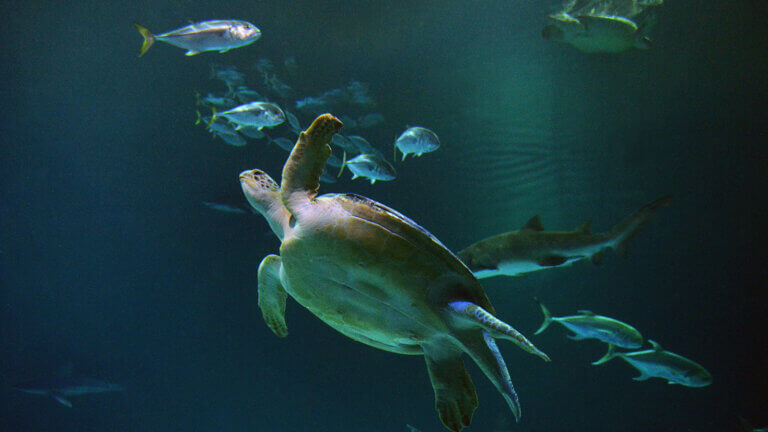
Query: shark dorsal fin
x: 655, y: 345
x: 585, y: 228
x: 534, y: 224
x: 586, y: 312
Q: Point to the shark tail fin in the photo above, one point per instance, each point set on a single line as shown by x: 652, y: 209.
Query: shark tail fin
x: 624, y: 231
x: 609, y: 355
x: 149, y: 39
x: 547, y: 317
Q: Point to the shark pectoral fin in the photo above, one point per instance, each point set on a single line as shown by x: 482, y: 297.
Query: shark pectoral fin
x: 642, y: 377
x: 597, y: 258
x: 455, y: 395
x: 552, y: 260
x: 191, y: 53
x: 272, y: 296
x: 61, y: 399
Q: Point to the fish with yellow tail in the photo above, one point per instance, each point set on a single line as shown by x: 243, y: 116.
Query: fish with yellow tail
x: 215, y: 35
x: 588, y: 325
x: 531, y: 249
x: 660, y: 363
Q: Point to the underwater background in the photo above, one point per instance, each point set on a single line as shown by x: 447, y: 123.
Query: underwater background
x: 109, y: 262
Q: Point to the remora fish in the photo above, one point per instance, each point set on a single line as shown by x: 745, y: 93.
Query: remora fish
x: 61, y: 388
x: 659, y: 363
x: 531, y: 248
x: 216, y: 35
x: 587, y: 325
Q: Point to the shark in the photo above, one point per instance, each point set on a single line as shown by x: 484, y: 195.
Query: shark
x: 531, y: 249
x: 60, y: 389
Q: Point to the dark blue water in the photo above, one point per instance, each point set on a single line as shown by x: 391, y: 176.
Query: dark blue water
x: 110, y: 263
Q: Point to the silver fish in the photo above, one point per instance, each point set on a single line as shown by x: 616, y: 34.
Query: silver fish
x: 659, y: 363
x: 344, y: 143
x: 283, y: 143
x: 61, y: 388
x: 224, y: 208
x: 221, y: 102
x: 293, y: 121
x: 216, y: 35
x: 587, y: 325
x: 416, y: 140
x: 359, y: 94
x: 327, y: 177
x: 370, y: 120
x: 245, y: 95
x: 256, y: 114
x: 363, y: 146
x: 312, y: 105
x: 277, y: 86
x: 235, y: 139
x: 371, y: 167
x: 229, y: 75
x: 251, y: 132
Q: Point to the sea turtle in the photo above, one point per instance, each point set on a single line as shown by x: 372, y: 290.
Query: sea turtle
x: 377, y: 277
x: 596, y: 33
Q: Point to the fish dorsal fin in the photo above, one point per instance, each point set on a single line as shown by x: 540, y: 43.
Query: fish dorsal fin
x: 534, y: 224
x: 586, y: 312
x: 655, y: 345
x: 585, y: 228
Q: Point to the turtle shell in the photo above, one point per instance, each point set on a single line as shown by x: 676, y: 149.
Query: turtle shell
x: 405, y: 228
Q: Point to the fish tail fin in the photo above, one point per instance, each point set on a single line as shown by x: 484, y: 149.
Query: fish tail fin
x: 626, y: 230
x: 343, y: 163
x: 547, y: 317
x: 609, y: 355
x: 149, y: 39
x: 199, y: 118
x: 214, y: 115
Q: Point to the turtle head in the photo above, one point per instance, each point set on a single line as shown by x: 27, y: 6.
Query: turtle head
x: 263, y: 194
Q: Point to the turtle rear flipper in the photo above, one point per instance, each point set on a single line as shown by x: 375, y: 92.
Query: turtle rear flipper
x: 272, y: 296
x: 302, y: 171
x: 455, y: 395
x: 483, y: 350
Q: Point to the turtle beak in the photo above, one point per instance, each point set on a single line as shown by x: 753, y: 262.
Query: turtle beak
x: 246, y: 175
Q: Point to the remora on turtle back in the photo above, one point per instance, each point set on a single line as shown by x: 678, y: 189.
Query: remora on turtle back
x: 660, y: 363
x: 377, y: 277
x: 216, y: 35
x: 588, y: 325
x: 531, y: 248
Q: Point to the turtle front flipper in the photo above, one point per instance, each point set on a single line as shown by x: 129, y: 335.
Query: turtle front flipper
x: 483, y: 350
x: 272, y: 296
x: 302, y: 171
x: 455, y: 396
